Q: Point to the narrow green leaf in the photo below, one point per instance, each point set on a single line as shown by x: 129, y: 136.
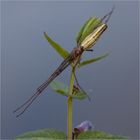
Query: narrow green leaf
x: 87, y: 28
x: 62, y: 52
x: 63, y: 89
x: 81, y: 30
x: 60, y: 88
x: 80, y: 95
x: 93, y: 60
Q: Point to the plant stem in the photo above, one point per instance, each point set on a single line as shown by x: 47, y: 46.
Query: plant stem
x: 69, y: 105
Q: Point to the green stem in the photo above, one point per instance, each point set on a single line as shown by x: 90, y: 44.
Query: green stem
x: 69, y: 105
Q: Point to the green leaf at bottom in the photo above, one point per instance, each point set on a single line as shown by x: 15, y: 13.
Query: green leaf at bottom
x: 52, y: 134
x: 100, y: 135
x: 43, y: 134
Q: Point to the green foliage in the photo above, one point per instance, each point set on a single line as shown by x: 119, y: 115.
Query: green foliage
x: 87, y: 28
x: 51, y: 134
x: 81, y: 30
x: 80, y: 95
x: 63, y: 89
x: 60, y: 88
x: 89, y: 61
x: 99, y: 135
x: 42, y: 135
x: 62, y: 52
